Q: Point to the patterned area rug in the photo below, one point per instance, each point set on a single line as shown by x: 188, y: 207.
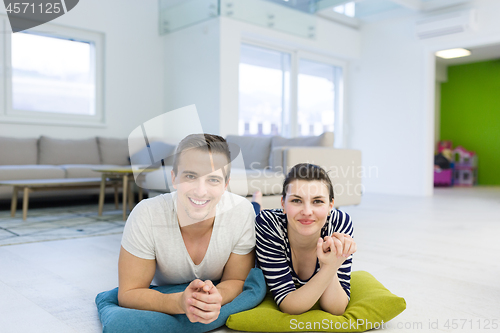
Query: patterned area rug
x: 47, y: 224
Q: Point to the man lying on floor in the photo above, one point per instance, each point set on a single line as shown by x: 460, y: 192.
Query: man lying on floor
x: 196, y: 235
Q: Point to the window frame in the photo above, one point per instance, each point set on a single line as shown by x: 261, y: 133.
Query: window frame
x: 282, y: 50
x: 338, y: 111
x: 296, y: 55
x: 10, y: 115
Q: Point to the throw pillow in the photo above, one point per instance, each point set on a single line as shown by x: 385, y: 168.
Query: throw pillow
x: 370, y: 305
x: 323, y: 140
x: 113, y: 151
x: 158, y: 150
x: 18, y: 151
x: 61, y: 151
x: 255, y: 151
x: 122, y: 320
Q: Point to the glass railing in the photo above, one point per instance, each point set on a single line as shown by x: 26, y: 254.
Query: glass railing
x: 258, y: 12
x: 186, y: 13
x: 270, y: 15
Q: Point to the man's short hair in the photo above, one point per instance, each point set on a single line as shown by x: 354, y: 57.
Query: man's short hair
x: 210, y: 142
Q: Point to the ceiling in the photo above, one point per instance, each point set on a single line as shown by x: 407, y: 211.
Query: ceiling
x: 366, y: 9
x: 481, y: 53
x: 373, y: 10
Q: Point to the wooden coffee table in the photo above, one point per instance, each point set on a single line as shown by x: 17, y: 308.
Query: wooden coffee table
x: 31, y: 185
x: 126, y: 175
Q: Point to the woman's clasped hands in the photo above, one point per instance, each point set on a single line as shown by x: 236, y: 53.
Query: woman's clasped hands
x: 333, y: 250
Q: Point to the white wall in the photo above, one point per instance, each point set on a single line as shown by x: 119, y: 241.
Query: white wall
x: 192, y: 71
x: 441, y: 76
x: 391, y: 115
x: 133, y: 74
x: 437, y: 113
x: 385, y: 115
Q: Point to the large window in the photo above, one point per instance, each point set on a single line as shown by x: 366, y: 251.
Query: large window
x: 264, y: 90
x: 53, y: 76
x: 287, y: 93
x: 316, y: 97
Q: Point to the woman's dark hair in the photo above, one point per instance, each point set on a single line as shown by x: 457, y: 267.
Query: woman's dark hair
x: 309, y: 172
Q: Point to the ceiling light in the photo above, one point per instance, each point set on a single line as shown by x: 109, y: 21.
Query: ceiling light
x: 453, y: 53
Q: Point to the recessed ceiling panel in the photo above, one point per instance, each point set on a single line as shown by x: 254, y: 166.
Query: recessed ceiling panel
x: 479, y: 53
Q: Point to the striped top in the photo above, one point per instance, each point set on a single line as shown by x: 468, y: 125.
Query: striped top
x: 274, y: 255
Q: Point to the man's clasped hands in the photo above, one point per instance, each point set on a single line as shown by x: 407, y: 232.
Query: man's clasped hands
x: 201, y: 301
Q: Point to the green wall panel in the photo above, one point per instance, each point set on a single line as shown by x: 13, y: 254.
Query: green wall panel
x: 470, y: 114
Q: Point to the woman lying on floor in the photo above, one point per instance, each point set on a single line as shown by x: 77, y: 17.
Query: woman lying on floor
x: 306, y: 244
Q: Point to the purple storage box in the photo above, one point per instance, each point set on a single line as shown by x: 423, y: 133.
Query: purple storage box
x: 443, y: 177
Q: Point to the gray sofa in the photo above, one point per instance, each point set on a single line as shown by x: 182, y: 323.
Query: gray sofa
x: 260, y: 165
x: 50, y: 158
x: 263, y: 161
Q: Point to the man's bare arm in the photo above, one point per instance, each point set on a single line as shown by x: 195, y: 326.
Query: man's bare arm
x: 234, y: 276
x: 134, y: 277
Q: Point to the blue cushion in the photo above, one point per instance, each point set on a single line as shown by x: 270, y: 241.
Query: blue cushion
x: 114, y: 318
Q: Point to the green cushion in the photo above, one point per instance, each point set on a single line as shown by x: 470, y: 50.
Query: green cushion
x: 371, y: 305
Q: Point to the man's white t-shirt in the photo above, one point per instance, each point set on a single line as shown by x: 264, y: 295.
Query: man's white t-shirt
x: 152, y: 232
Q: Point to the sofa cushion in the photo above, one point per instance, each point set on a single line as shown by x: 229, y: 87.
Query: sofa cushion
x: 323, y: 140
x: 160, y: 180
x: 83, y: 170
x: 238, y: 182
x: 19, y: 172
x: 255, y: 150
x: 113, y: 151
x: 242, y: 181
x: 61, y: 151
x: 16, y: 151
x: 159, y: 150
x: 246, y: 182
x: 275, y: 157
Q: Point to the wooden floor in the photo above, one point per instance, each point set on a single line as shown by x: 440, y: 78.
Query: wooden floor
x: 441, y: 253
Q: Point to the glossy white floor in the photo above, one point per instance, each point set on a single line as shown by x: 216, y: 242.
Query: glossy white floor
x: 441, y: 253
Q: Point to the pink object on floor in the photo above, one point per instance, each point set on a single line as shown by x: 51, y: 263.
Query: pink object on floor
x: 443, y: 177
